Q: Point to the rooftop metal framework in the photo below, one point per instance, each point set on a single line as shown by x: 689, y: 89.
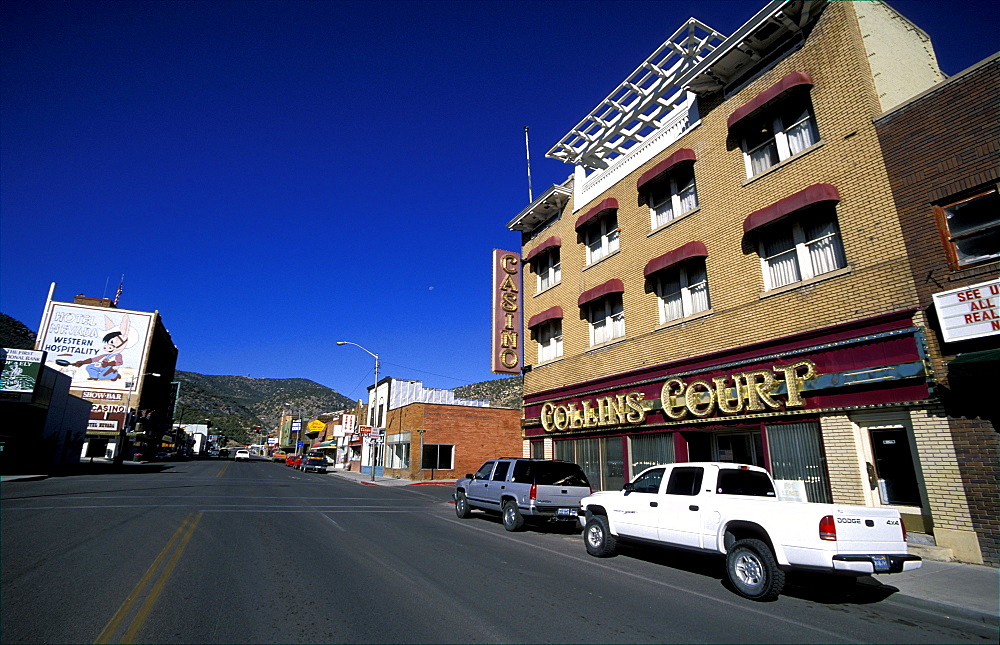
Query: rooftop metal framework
x: 641, y: 104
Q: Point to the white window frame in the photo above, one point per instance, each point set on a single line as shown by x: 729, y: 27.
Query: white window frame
x: 674, y: 200
x: 602, y: 238
x: 687, y: 293
x: 800, y: 250
x: 773, y: 119
x: 548, y: 270
x: 550, y: 340
x: 606, y: 319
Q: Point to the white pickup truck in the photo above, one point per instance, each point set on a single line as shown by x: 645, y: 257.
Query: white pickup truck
x: 732, y: 509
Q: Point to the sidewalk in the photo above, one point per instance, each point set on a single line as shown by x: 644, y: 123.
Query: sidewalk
x: 968, y: 591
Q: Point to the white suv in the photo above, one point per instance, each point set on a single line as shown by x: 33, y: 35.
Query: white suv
x: 242, y: 455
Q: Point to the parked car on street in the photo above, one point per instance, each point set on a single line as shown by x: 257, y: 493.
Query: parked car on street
x: 242, y: 455
x: 733, y: 510
x: 224, y: 453
x: 293, y: 460
x: 279, y: 455
x: 313, y: 462
x: 537, y: 489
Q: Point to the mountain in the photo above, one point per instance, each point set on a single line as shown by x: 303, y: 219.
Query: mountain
x: 14, y: 334
x: 235, y: 404
x: 502, y: 393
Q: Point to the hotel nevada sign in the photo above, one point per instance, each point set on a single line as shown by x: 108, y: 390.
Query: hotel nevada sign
x: 846, y: 371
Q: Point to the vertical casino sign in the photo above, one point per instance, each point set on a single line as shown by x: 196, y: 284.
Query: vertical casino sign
x: 507, y: 350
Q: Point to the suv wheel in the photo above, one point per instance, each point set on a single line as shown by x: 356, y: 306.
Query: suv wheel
x: 462, y: 509
x: 512, y: 518
x: 598, y: 538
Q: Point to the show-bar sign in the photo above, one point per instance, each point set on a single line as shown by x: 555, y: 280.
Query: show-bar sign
x: 747, y: 392
x: 506, y: 350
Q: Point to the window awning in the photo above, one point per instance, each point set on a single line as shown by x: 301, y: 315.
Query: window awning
x: 614, y: 285
x: 605, y: 205
x: 690, y: 250
x: 787, y: 83
x: 552, y: 242
x: 552, y: 313
x: 682, y: 155
x: 807, y: 197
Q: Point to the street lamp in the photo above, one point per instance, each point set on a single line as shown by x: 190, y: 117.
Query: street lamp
x: 374, y: 395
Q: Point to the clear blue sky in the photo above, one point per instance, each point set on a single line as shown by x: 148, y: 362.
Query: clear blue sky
x: 277, y: 176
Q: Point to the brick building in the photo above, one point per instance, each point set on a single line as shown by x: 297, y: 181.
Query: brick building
x: 724, y: 275
x: 945, y: 189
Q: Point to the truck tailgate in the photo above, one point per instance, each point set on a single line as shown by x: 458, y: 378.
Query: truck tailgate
x: 862, y: 529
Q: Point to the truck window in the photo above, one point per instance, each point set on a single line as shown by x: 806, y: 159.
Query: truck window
x: 484, y: 471
x: 745, y: 482
x: 684, y: 481
x: 500, y: 474
x: 649, y: 481
x: 558, y: 473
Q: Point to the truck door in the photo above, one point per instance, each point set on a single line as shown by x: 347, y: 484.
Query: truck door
x: 641, y: 506
x: 680, y: 507
x: 479, y: 485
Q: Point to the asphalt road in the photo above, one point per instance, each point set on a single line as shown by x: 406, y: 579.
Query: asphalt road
x: 223, y: 552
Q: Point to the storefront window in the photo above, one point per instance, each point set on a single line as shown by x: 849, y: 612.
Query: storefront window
x: 650, y: 450
x: 796, y: 454
x: 739, y: 448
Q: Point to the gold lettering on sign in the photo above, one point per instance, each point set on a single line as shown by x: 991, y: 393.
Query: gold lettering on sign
x: 594, y: 413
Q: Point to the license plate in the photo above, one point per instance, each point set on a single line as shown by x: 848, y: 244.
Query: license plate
x: 881, y: 562
x: 566, y: 512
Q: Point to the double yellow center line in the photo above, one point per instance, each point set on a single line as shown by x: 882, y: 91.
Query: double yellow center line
x: 158, y: 572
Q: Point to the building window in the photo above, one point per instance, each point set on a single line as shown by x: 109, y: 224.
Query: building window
x: 682, y: 290
x: 601, y: 237
x: 672, y: 196
x: 800, y: 249
x: 398, y: 455
x: 778, y: 133
x: 970, y: 228
x: 438, y: 456
x: 606, y: 318
x: 550, y: 342
x: 548, y: 269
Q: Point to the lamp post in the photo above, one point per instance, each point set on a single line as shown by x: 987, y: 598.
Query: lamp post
x: 374, y: 395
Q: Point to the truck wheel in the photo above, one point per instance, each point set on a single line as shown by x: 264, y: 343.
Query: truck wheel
x: 512, y: 518
x: 462, y: 509
x: 753, y: 570
x: 598, y: 538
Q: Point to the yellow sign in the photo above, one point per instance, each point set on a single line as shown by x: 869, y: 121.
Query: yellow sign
x: 316, y: 425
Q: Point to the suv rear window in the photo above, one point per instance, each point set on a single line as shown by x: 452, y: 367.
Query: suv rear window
x: 549, y: 473
x: 745, y: 482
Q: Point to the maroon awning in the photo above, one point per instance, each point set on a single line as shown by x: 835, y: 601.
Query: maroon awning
x: 690, y: 250
x: 553, y: 241
x: 789, y: 81
x: 614, y: 285
x: 552, y: 313
x: 682, y: 155
x: 805, y: 197
x: 605, y: 205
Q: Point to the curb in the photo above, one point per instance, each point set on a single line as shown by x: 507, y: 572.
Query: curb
x: 21, y: 478
x: 954, y: 611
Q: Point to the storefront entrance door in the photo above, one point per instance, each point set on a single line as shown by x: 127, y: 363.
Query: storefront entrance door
x: 895, y: 476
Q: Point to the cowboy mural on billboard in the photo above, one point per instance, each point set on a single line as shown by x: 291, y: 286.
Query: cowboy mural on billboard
x: 99, y: 348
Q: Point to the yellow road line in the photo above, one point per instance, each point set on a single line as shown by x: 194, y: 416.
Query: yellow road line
x: 223, y: 470
x: 116, y: 620
x: 140, y: 617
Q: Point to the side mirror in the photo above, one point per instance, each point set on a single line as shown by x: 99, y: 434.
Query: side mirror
x: 628, y: 488
x: 468, y: 475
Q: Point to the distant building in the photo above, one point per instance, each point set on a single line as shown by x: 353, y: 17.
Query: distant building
x: 122, y: 362
x: 945, y: 189
x: 725, y: 277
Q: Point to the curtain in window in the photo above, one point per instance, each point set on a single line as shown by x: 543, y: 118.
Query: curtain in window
x: 613, y: 470
x: 689, y: 197
x: 613, y: 239
x: 564, y: 450
x: 801, y: 134
x: 797, y: 454
x: 664, y: 212
x: 825, y: 251
x: 588, y: 457
x: 649, y: 450
x: 670, y: 292
x: 763, y: 157
x: 617, y: 322
x: 780, y: 256
x: 698, y: 281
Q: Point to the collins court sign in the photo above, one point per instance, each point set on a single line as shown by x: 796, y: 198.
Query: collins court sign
x: 506, y: 349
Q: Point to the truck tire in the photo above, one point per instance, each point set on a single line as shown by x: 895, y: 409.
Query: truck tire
x: 753, y: 571
x: 462, y: 509
x: 597, y: 537
x: 512, y: 518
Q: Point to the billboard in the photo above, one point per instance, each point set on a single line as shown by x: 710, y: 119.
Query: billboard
x: 103, y: 350
x: 969, y: 312
x: 506, y: 346
x: 19, y: 370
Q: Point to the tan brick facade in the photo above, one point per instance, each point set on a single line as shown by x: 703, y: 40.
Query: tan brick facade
x: 877, y: 281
